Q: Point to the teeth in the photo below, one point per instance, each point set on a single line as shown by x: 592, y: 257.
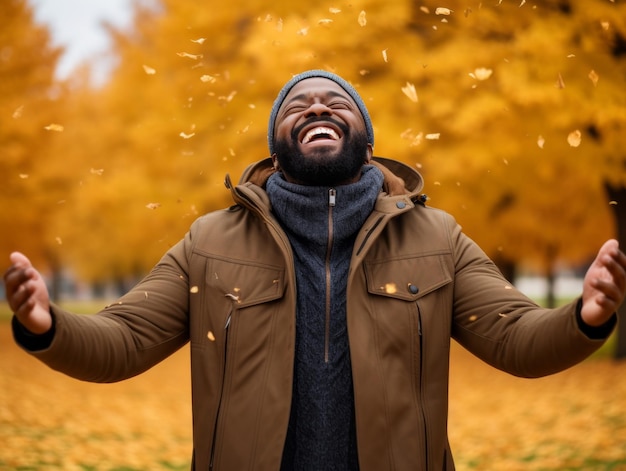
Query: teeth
x: 317, y: 131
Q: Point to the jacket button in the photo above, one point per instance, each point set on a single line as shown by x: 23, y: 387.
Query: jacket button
x: 400, y: 205
x: 413, y: 289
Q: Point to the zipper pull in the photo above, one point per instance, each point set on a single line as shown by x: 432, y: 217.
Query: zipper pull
x: 332, y: 193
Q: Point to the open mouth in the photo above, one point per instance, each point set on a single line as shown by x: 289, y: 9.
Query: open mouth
x: 319, y: 133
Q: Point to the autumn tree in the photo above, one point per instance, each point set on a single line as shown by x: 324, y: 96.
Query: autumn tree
x: 29, y: 115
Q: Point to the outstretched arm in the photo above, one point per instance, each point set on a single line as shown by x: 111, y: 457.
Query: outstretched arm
x: 27, y: 295
x: 604, y: 286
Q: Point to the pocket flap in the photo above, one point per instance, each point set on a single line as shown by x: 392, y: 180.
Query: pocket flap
x: 407, y: 278
x: 246, y: 283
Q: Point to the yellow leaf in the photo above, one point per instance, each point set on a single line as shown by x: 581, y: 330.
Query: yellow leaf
x: 54, y: 127
x: 594, y: 77
x: 409, y: 90
x: 187, y: 136
x: 18, y: 112
x: 334, y: 11
x: 443, y: 11
x: 574, y: 138
x: 96, y: 171
x: 190, y: 56
x: 362, y: 18
x: 560, y: 83
x: 148, y: 70
x: 541, y: 141
x: 153, y: 205
x: 385, y: 55
x: 193, y: 289
x: 481, y: 73
x: 199, y: 40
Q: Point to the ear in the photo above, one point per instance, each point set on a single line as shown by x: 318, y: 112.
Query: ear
x: 275, y: 162
x: 369, y: 154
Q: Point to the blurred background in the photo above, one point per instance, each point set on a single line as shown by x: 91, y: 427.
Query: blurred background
x: 119, y: 120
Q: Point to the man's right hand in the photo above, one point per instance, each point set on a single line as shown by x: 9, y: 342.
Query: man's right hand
x: 27, y: 295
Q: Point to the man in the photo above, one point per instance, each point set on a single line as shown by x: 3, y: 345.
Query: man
x: 320, y: 307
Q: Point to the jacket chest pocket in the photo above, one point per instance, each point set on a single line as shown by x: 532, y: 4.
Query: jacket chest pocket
x: 412, y: 298
x: 223, y: 288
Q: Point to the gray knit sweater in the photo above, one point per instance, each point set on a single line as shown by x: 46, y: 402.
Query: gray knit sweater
x: 321, y: 432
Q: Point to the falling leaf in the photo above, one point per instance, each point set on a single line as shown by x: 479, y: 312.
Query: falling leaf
x: 59, y: 241
x: 193, y: 289
x: 481, y: 73
x: 334, y: 11
x: 443, y: 11
x: 613, y: 203
x: 390, y: 288
x: 18, y: 112
x: 54, y: 127
x: 96, y: 171
x: 541, y: 141
x: 153, y: 205
x: 208, y: 79
x: 560, y: 83
x: 594, y: 77
x: 303, y: 31
x: 324, y: 22
x: 199, y: 40
x: 362, y: 18
x: 149, y: 70
x: 385, y: 55
x: 211, y: 336
x: 187, y: 136
x: 432, y: 136
x: 409, y: 90
x: 473, y: 317
x: 190, y: 56
x: 23, y: 176
x: 605, y: 25
x: 574, y: 138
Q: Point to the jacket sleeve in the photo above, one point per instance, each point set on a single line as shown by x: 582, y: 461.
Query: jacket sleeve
x: 129, y: 336
x: 503, y: 327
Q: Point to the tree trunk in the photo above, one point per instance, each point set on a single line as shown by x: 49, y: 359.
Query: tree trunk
x: 551, y: 253
x: 617, y: 195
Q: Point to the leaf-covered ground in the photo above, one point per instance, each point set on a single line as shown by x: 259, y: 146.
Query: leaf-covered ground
x: 575, y: 420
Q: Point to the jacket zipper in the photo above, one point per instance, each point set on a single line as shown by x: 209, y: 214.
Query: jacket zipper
x: 421, y: 380
x: 332, y: 194
x: 219, y: 403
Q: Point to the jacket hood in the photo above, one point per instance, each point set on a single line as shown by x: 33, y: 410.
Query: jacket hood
x: 400, y: 179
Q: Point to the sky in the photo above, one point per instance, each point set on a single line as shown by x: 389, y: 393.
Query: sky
x: 77, y: 26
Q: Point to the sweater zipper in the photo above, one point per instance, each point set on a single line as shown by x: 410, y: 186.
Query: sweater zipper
x: 332, y: 194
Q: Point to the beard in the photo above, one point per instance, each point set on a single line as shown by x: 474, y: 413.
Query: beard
x: 323, y: 166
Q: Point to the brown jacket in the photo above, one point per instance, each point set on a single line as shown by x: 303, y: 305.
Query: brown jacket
x: 228, y: 287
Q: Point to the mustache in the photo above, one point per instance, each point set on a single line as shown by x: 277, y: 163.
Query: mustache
x: 295, y: 132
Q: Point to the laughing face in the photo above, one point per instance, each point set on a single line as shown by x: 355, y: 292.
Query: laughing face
x: 320, y: 136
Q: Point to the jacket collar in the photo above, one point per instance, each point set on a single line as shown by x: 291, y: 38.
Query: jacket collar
x: 400, y: 179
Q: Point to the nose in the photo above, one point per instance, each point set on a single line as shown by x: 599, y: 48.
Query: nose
x: 318, y: 109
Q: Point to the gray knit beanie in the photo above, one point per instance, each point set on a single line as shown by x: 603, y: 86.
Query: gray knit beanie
x: 324, y: 74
